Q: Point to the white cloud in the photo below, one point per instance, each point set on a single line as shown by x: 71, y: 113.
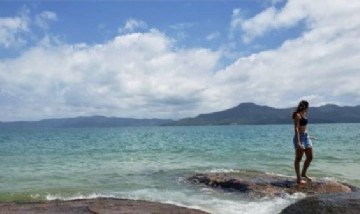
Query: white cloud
x: 236, y: 22
x: 182, y: 30
x: 12, y: 29
x: 146, y: 75
x: 290, y: 15
x: 42, y: 20
x: 258, y: 25
x: 132, y: 25
x: 213, y: 36
x: 15, y: 32
x: 138, y: 75
x: 269, y: 19
x: 322, y: 63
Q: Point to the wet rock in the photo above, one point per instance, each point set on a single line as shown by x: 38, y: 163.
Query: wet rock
x: 263, y: 184
x: 99, y: 205
x: 344, y: 203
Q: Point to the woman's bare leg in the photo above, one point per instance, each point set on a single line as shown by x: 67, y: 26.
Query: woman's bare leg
x: 309, y: 157
x: 298, y: 156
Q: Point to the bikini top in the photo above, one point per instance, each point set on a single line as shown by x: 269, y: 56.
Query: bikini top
x: 303, y: 121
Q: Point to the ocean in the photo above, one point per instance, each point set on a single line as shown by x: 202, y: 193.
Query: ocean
x: 152, y: 163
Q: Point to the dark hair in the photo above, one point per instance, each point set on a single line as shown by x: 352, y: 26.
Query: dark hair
x: 302, y: 105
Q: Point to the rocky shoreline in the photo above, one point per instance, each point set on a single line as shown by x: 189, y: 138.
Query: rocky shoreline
x: 259, y: 184
x: 95, y: 206
x: 344, y: 203
x: 323, y: 196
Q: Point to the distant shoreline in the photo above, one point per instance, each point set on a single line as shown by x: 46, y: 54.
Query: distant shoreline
x: 243, y: 114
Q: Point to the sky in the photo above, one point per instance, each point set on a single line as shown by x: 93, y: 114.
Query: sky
x: 172, y: 59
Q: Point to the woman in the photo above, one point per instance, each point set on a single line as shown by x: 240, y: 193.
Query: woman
x: 302, y: 142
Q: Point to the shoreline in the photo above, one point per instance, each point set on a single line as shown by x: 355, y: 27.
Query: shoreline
x: 241, y: 182
x: 96, y: 205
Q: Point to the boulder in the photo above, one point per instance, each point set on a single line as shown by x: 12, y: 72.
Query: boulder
x: 344, y: 203
x: 259, y: 184
x: 99, y: 205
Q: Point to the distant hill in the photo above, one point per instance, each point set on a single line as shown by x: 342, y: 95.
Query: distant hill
x: 93, y: 121
x: 245, y: 113
x: 250, y: 113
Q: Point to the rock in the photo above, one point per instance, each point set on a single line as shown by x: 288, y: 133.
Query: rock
x: 344, y: 203
x: 99, y: 205
x: 261, y: 184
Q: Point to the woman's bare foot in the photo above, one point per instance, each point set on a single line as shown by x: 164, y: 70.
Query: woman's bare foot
x: 301, y: 181
x: 306, y: 177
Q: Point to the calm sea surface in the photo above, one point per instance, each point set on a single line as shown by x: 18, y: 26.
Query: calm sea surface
x: 151, y: 163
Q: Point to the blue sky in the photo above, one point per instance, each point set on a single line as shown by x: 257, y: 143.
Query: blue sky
x: 174, y: 59
x: 191, y: 23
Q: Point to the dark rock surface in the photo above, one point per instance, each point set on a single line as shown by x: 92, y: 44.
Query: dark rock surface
x: 344, y: 203
x: 259, y: 184
x: 323, y: 197
x: 99, y: 205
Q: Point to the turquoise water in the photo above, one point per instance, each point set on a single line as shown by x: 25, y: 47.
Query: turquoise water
x: 151, y: 163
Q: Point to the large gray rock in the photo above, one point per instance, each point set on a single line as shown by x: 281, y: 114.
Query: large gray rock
x: 261, y: 184
x: 99, y: 205
x: 340, y: 203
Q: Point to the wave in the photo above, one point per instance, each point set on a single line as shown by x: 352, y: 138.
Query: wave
x: 230, y: 170
x: 208, y: 201
x: 51, y: 197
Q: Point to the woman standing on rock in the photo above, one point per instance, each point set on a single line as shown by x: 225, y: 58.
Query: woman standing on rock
x: 302, y: 141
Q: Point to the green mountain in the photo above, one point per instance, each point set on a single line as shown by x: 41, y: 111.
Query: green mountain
x: 250, y: 113
x: 245, y: 113
x: 93, y: 121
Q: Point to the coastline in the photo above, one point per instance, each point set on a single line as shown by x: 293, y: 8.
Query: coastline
x: 321, y: 196
x: 97, y: 205
x: 152, y: 163
x: 343, y: 197
x: 254, y: 185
